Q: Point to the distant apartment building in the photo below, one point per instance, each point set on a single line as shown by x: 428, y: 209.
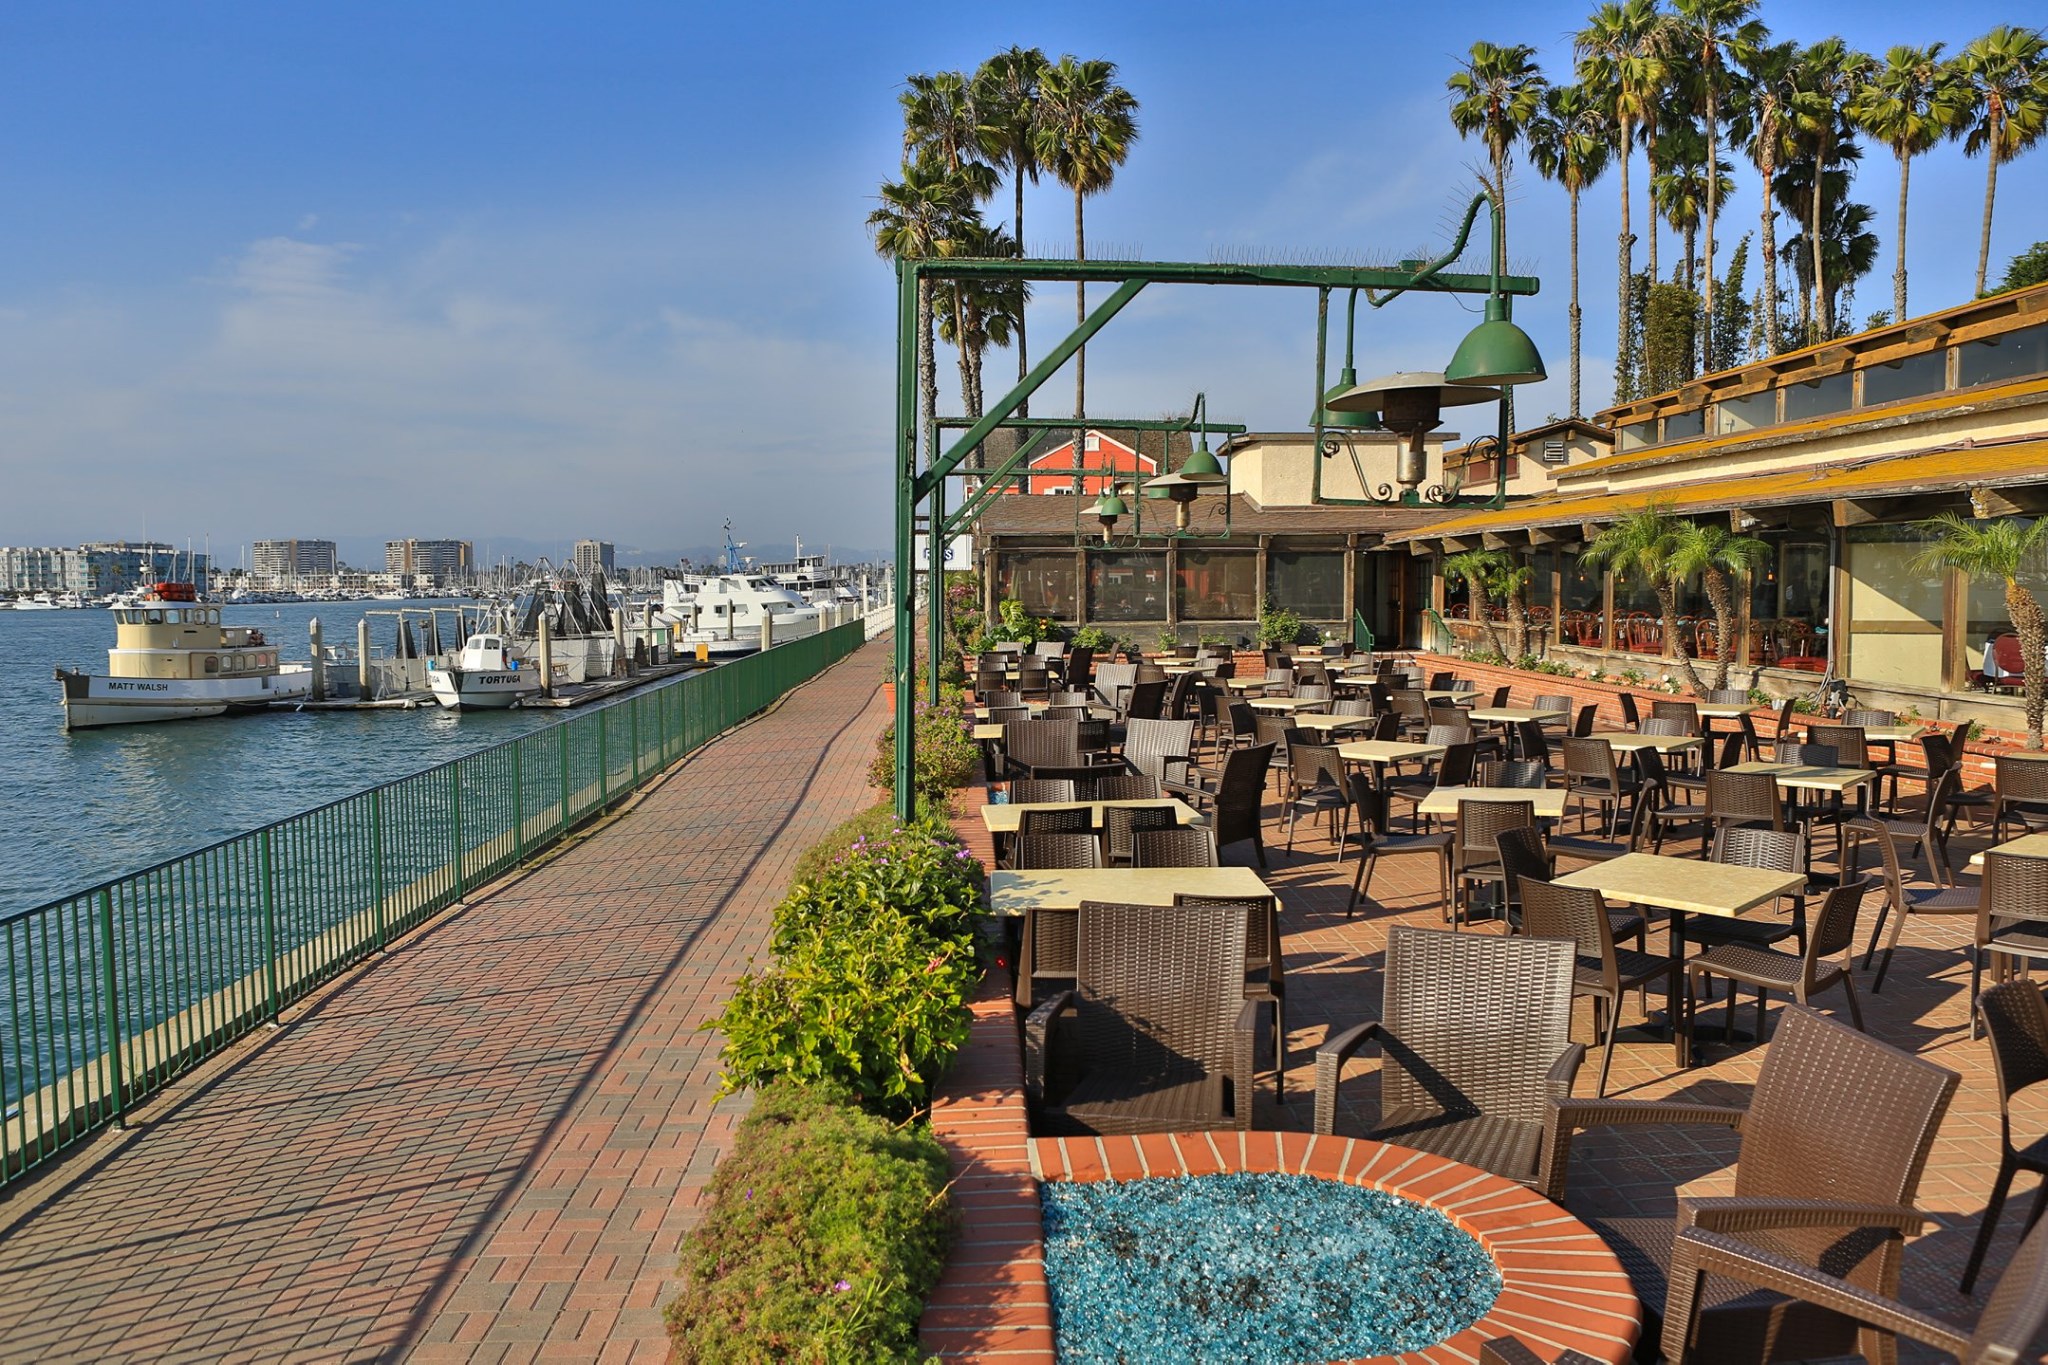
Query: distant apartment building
x: 444, y: 561
x: 98, y: 568
x: 593, y: 555
x: 278, y: 563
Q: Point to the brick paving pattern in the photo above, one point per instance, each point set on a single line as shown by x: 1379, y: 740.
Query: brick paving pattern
x: 486, y: 1147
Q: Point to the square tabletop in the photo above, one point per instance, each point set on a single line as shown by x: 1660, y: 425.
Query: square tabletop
x: 1548, y: 801
x: 1628, y: 741
x: 1287, y: 704
x: 984, y: 731
x: 1892, y: 733
x: 1247, y: 684
x: 1329, y: 723
x: 1034, y: 707
x: 1515, y: 715
x: 1008, y: 818
x: 1684, y: 883
x: 2026, y: 846
x: 1010, y: 893
x: 1386, y: 751
x: 1723, y: 710
x: 1805, y: 777
x: 1450, y: 694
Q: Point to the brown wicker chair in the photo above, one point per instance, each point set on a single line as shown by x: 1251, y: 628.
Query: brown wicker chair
x: 1661, y: 810
x: 1159, y: 749
x: 1833, y: 1144
x: 1042, y: 791
x: 1161, y: 1036
x: 1045, y: 748
x: 1686, y: 711
x: 1265, y: 970
x: 2005, y: 1331
x: 1901, y: 901
x: 1045, y: 953
x: 1181, y: 846
x: 1120, y: 823
x: 1235, y: 798
x: 1591, y: 776
x: 1779, y: 850
x: 1126, y: 787
x: 2015, y: 1017
x: 1603, y: 971
x: 1801, y: 975
x: 2012, y: 914
x: 1048, y: 852
x: 1475, y: 1047
x: 2019, y: 794
x: 1743, y: 799
x: 1315, y: 786
x: 1374, y: 843
x: 1476, y: 857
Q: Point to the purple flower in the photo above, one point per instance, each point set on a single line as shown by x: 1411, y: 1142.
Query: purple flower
x: 840, y: 1286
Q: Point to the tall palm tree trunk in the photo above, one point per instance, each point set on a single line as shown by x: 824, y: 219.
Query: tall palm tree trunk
x: 1518, y: 620
x: 1080, y: 315
x: 1769, y: 214
x: 1724, y: 624
x: 1990, y: 193
x: 1899, y: 274
x: 1713, y: 185
x: 1817, y: 296
x: 1572, y: 313
x: 1624, y: 383
x: 1650, y: 179
x: 2026, y: 619
x: 927, y: 370
x: 1023, y: 360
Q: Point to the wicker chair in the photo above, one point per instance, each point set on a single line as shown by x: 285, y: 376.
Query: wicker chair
x: 2020, y: 794
x: 1743, y: 799
x: 1941, y: 753
x: 1113, y: 684
x: 1591, y: 777
x: 1181, y: 846
x: 2005, y: 1331
x: 1045, y: 954
x: 1045, y: 748
x: 1525, y: 773
x: 1315, y: 786
x: 1454, y: 768
x: 1782, y: 727
x: 1235, y: 798
x: 1056, y: 820
x: 1042, y: 791
x: 1374, y: 843
x: 1127, y: 787
x: 1833, y: 1112
x: 1056, y: 711
x: 1244, y: 725
x: 1000, y: 696
x: 2015, y: 1017
x: 1531, y: 744
x: 1474, y: 853
x: 1686, y: 711
x: 1630, y: 715
x: 1801, y: 975
x: 1603, y: 971
x: 2012, y: 914
x: 1159, y: 749
x: 1265, y: 970
x: 1728, y: 696
x: 1161, y: 1036
x: 1661, y: 811
x: 1525, y: 856
x: 1147, y: 700
x: 1588, y: 720
x: 1475, y: 1048
x: 1745, y: 846
x: 1121, y: 823
x: 1055, y: 852
x: 1901, y: 901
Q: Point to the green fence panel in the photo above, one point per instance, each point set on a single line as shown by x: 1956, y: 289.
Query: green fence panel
x: 111, y: 993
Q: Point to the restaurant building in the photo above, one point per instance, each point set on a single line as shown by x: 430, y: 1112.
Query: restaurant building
x: 1833, y: 456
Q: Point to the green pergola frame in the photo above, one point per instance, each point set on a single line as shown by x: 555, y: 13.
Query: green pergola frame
x: 917, y: 488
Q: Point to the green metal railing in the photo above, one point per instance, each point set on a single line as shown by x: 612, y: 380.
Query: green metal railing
x: 107, y: 995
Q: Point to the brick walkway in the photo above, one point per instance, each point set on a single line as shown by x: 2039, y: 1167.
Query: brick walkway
x: 486, y: 1147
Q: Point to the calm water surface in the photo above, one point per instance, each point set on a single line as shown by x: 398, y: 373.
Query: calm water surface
x: 76, y: 809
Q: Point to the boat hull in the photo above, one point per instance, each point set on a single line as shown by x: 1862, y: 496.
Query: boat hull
x: 463, y: 690
x: 93, y: 701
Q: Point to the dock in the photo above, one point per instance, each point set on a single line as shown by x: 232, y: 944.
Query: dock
x: 566, y: 695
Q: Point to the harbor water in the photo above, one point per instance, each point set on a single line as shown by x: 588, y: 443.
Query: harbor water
x: 76, y: 809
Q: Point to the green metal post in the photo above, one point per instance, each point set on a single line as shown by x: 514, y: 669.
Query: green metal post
x: 377, y: 865
x: 269, y: 922
x: 518, y: 805
x: 633, y: 721
x: 117, y: 1085
x: 562, y: 730
x: 455, y: 822
x: 905, y: 642
x: 935, y: 584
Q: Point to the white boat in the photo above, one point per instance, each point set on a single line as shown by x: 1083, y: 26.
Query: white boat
x: 723, y: 613
x: 42, y: 601
x: 173, y: 660
x: 486, y: 676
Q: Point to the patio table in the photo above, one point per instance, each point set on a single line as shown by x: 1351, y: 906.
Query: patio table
x: 1681, y: 886
x: 1008, y: 818
x: 1380, y: 752
x: 1805, y: 777
x: 1548, y: 801
x: 1009, y: 893
x: 1722, y: 710
x: 2026, y: 846
x: 1628, y: 741
x: 1246, y: 684
x: 1512, y: 715
x: 1327, y: 724
x: 1287, y: 705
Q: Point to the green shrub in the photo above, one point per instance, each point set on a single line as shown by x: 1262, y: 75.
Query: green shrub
x: 1278, y: 627
x: 874, y: 822
x: 826, y: 1229
x: 1210, y: 637
x: 1632, y: 676
x: 1096, y: 638
x: 946, y: 752
x: 921, y: 870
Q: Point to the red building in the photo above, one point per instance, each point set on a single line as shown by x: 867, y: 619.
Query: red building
x: 1099, y: 452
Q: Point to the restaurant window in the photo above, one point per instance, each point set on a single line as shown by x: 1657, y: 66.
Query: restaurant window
x: 1987, y: 615
x: 1042, y: 580
x: 1993, y: 360
x: 1894, y: 608
x: 1126, y: 587
x: 1818, y: 397
x: 1789, y: 607
x: 1747, y: 413
x: 1308, y: 582
x: 1913, y: 376
x: 1636, y: 435
x: 1683, y: 426
x: 1217, y: 585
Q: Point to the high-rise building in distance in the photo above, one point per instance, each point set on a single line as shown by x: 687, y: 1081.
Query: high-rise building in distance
x: 275, y: 563
x: 444, y: 560
x: 591, y: 556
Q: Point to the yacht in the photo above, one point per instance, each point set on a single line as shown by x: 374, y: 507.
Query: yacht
x: 811, y: 578
x: 173, y: 660
x: 486, y: 676
x: 42, y: 601
x: 723, y: 613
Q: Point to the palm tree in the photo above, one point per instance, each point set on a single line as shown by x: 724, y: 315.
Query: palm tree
x: 1714, y: 33
x: 1479, y: 568
x: 1006, y: 102
x: 1498, y: 91
x: 1569, y: 142
x: 1620, y: 68
x: 2002, y: 548
x: 1831, y: 72
x: 941, y: 125
x: 1086, y: 125
x: 923, y: 216
x: 1911, y: 103
x: 1717, y: 556
x: 1642, y: 545
x: 1848, y: 249
x: 981, y: 313
x: 1682, y: 190
x: 1772, y: 86
x: 2007, y: 75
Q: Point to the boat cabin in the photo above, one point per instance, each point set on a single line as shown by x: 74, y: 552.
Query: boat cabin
x: 182, y: 639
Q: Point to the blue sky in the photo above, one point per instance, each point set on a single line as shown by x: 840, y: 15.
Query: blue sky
x: 543, y: 271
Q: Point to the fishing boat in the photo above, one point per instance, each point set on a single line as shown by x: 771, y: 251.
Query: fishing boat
x: 173, y: 660
x: 486, y: 676
x: 721, y: 614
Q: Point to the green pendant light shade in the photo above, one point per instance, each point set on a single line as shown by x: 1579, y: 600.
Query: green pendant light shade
x: 1109, y: 507
x: 1333, y: 420
x: 1495, y: 352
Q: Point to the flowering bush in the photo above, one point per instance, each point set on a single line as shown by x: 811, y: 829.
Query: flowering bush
x: 946, y: 754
